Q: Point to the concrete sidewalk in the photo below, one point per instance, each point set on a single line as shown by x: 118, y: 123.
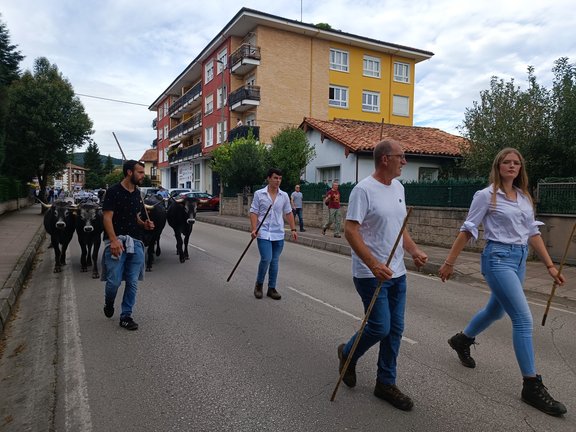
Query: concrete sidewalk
x: 22, y: 233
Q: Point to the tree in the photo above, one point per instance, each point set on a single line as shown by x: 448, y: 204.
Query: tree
x: 109, y: 165
x: 507, y: 116
x: 47, y: 122
x: 240, y: 163
x: 115, y: 176
x: 9, y: 72
x: 291, y: 152
x: 93, y: 163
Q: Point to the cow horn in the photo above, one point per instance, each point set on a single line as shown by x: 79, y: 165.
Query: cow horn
x: 47, y: 206
x: 149, y: 207
x: 179, y: 201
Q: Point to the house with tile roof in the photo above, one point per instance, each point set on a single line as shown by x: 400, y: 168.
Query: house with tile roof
x: 150, y: 159
x: 344, y: 149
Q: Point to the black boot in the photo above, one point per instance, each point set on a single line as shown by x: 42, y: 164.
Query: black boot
x: 461, y: 344
x: 258, y: 290
x: 534, y: 393
x: 350, y: 374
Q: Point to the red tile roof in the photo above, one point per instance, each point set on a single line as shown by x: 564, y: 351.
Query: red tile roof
x: 359, y: 136
x: 150, y: 155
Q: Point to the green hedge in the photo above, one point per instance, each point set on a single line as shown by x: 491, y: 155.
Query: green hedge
x: 11, y: 189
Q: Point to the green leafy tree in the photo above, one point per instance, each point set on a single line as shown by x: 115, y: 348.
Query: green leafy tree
x: 113, y: 177
x: 10, y: 59
x: 507, y: 116
x: 93, y: 163
x: 47, y: 122
x: 291, y: 152
x: 240, y: 163
x: 108, y: 165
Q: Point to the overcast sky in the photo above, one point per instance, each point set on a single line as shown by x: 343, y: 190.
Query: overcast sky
x: 132, y: 50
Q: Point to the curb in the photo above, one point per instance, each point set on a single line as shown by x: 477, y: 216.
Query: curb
x: 11, y: 289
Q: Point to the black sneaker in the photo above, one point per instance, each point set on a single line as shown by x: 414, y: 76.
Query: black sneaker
x: 258, y: 290
x: 302, y: 230
x: 535, y: 393
x: 323, y: 231
x: 128, y: 323
x: 273, y: 294
x: 392, y: 394
x: 109, y: 310
x: 461, y: 344
x: 350, y: 376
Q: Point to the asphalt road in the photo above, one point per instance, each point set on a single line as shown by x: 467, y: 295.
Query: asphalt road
x: 210, y: 357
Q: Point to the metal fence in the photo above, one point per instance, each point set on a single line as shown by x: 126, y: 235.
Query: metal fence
x: 441, y: 195
x: 556, y: 198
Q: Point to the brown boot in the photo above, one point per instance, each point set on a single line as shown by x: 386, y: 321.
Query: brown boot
x: 258, y: 291
x: 273, y: 294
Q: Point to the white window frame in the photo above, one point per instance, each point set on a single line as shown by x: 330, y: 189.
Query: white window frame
x: 165, y: 151
x: 209, y: 104
x: 166, y: 134
x: 221, y: 132
x: 251, y: 120
x: 371, y: 66
x: 370, y: 101
x: 221, y: 97
x: 209, y: 137
x: 329, y: 174
x: 428, y: 174
x: 160, y: 134
x: 196, y: 176
x: 166, y: 107
x: 401, y: 106
x: 339, y: 60
x: 209, y: 71
x: 221, y: 57
x: 402, y: 72
x: 340, y: 97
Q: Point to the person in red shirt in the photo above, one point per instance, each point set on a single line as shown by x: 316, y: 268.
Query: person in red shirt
x: 332, y: 200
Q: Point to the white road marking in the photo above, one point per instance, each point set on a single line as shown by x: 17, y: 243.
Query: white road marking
x: 76, y: 405
x: 342, y: 311
x: 196, y: 247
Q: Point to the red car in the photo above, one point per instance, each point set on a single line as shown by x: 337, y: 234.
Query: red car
x: 205, y: 200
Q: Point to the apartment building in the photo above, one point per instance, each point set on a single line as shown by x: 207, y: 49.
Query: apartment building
x: 263, y: 73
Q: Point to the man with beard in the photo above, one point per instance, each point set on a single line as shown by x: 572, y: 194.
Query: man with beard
x: 123, y: 257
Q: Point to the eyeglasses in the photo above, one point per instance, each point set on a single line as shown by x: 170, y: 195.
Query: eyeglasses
x: 402, y: 156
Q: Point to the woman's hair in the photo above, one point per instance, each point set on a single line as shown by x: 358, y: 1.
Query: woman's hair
x: 521, y: 180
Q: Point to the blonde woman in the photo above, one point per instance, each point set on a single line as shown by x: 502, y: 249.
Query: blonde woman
x: 505, y: 209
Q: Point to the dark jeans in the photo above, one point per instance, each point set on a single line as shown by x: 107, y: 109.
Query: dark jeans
x: 298, y: 212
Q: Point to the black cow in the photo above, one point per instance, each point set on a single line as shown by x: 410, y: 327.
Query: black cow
x: 157, y: 213
x: 59, y: 223
x: 181, y: 217
x: 89, y: 227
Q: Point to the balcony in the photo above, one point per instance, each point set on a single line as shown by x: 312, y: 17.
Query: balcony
x: 243, y: 132
x: 186, y: 128
x: 186, y: 103
x: 185, y: 154
x: 155, y: 143
x: 244, y: 98
x: 244, y: 59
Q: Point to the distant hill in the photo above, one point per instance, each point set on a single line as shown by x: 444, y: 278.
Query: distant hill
x: 79, y: 160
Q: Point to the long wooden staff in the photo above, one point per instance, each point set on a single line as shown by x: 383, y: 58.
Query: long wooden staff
x: 559, y: 272
x: 251, y: 240
x: 374, y: 297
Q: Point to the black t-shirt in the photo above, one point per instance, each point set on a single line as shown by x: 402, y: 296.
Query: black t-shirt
x: 126, y: 207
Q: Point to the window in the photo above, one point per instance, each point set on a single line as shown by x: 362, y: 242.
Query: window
x: 221, y: 132
x: 165, y: 151
x: 209, y: 104
x: 371, y: 66
x: 339, y: 60
x: 251, y: 120
x: 328, y: 175
x: 401, y: 72
x: 160, y: 112
x: 166, y: 131
x: 338, y: 97
x: 166, y: 108
x: 401, y: 106
x: 370, y: 101
x: 222, y: 60
x: 221, y: 97
x: 208, y: 71
x: 427, y: 174
x: 209, y: 138
x: 160, y: 134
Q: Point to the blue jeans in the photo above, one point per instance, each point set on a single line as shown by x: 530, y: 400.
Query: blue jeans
x: 504, y: 268
x: 298, y: 212
x: 385, y: 324
x: 269, y: 256
x: 128, y: 267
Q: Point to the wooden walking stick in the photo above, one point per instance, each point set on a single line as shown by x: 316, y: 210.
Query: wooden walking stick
x: 370, y: 306
x: 251, y: 240
x: 559, y: 272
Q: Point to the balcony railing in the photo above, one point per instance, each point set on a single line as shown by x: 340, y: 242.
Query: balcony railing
x: 186, y: 102
x: 154, y: 142
x: 186, y: 153
x: 244, y: 98
x: 243, y: 132
x: 244, y: 59
x: 186, y: 128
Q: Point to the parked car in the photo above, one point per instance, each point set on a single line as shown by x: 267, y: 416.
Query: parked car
x: 205, y: 200
x: 174, y: 192
x: 84, y: 196
x: 146, y: 191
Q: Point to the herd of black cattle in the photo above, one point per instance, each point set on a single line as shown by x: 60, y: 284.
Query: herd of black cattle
x: 62, y: 218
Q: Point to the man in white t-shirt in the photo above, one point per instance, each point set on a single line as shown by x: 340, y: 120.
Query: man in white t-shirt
x: 376, y: 212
